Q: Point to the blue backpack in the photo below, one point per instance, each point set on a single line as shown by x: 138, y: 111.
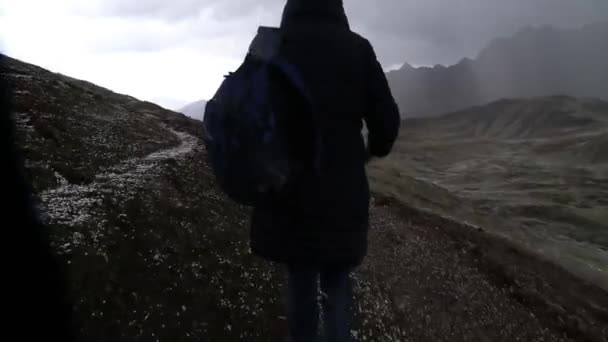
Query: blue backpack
x: 246, y: 143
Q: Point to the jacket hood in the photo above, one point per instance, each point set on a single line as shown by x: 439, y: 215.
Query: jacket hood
x: 314, y: 11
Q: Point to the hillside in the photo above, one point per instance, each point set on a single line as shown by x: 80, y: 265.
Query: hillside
x: 561, y: 128
x: 535, y: 62
x: 195, y: 110
x: 535, y: 171
x: 155, y: 252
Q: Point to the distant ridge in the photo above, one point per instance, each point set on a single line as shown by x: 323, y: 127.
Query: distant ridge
x: 195, y: 110
x: 540, y: 61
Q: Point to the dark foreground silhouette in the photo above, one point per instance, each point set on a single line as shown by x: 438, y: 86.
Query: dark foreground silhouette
x: 36, y: 305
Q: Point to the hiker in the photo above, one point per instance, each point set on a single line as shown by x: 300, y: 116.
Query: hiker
x: 284, y: 135
x: 321, y: 230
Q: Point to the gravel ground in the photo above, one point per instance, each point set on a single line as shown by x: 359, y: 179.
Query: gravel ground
x: 435, y: 293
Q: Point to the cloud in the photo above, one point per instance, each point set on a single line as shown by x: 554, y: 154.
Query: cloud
x: 179, y: 10
x: 150, y: 9
x: 417, y: 31
x: 177, y: 51
x: 439, y: 31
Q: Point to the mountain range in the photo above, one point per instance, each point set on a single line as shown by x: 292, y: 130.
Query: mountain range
x: 540, y: 61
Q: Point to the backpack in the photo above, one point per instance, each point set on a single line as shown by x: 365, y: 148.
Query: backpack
x: 246, y: 143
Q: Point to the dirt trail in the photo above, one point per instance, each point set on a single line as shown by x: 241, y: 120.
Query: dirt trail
x: 156, y: 253
x: 72, y: 204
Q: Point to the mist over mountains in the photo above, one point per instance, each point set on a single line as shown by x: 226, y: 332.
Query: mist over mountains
x: 540, y: 61
x: 195, y: 110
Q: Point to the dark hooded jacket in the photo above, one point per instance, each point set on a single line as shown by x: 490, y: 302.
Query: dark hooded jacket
x: 323, y: 220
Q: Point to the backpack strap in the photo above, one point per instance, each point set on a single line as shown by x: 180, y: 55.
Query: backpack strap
x: 295, y: 77
x: 267, y: 44
x: 266, y: 47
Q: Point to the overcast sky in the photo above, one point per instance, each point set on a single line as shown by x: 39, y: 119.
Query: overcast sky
x: 176, y: 52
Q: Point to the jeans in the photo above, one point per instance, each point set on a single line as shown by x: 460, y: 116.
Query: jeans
x: 303, y: 304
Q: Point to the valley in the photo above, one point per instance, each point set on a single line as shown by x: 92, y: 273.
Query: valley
x: 533, y: 170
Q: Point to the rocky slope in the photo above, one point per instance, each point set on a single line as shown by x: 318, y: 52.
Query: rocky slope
x: 154, y: 251
x: 534, y: 62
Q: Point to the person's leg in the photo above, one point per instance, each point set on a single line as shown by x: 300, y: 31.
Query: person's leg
x: 302, y: 304
x: 338, y: 305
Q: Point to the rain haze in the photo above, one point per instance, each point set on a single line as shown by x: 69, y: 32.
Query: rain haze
x: 177, y: 52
